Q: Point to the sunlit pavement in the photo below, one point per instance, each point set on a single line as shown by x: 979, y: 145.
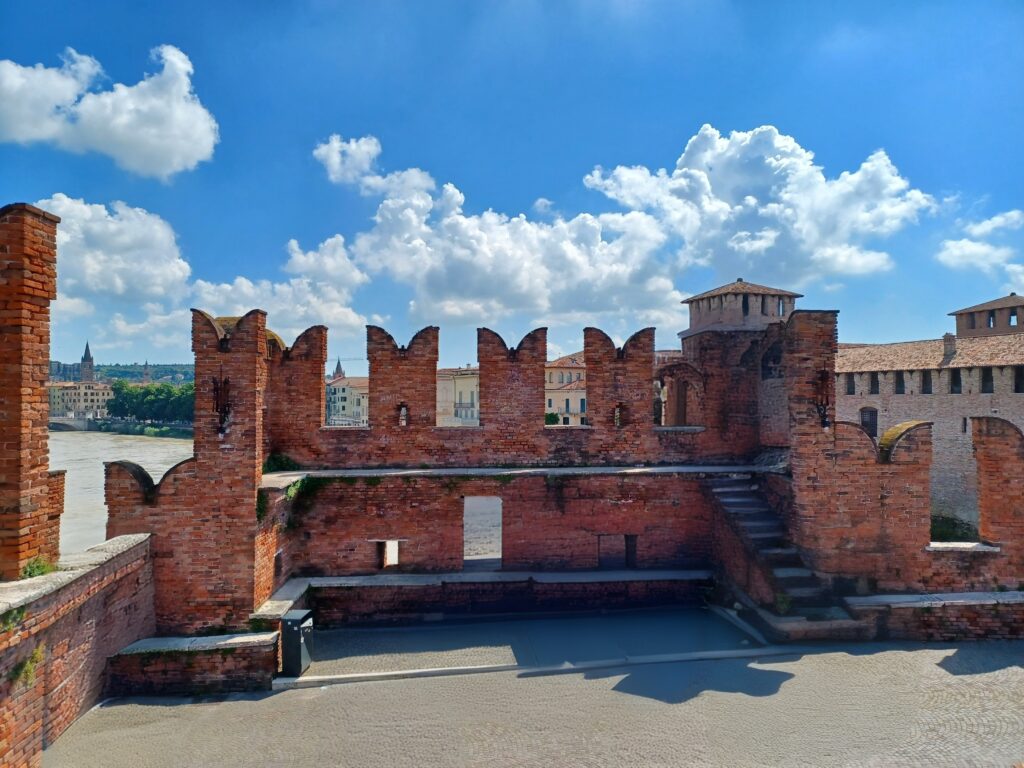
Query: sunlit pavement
x: 856, y: 705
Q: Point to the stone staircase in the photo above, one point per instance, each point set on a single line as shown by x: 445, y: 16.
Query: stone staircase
x: 805, y: 607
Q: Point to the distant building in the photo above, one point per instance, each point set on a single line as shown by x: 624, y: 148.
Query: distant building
x: 87, y: 372
x: 348, y: 400
x: 565, y: 389
x: 458, y: 397
x: 78, y: 399
x: 979, y: 371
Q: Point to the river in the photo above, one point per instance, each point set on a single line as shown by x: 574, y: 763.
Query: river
x: 82, y: 454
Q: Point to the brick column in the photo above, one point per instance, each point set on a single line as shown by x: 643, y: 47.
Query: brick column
x: 28, y: 283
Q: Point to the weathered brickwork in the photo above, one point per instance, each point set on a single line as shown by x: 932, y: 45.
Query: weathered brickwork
x: 341, y: 606
x: 953, y: 473
x: 203, y: 514
x: 53, y: 650
x: 191, y: 673
x: 947, y: 622
x: 28, y: 283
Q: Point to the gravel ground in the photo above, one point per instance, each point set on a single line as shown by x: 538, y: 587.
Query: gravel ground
x: 864, y: 705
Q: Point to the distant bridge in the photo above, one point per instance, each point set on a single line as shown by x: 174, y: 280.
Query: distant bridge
x: 64, y: 424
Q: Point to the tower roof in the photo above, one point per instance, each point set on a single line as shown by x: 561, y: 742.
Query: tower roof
x: 87, y: 357
x: 742, y: 286
x: 1006, y: 302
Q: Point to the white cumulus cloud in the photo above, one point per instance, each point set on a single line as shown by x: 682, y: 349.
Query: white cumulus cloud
x: 1009, y: 220
x: 973, y: 254
x: 752, y: 199
x: 156, y: 127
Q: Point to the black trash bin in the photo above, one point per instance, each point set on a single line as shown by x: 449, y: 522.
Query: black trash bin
x: 296, y: 642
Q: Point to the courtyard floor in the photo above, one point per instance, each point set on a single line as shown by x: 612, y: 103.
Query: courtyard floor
x: 852, y: 705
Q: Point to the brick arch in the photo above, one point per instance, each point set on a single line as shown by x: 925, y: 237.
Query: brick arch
x: 682, y: 408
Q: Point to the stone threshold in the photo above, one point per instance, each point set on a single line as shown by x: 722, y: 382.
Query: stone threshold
x: 292, y: 590
x: 199, y: 644
x: 937, y: 600
x: 279, y: 480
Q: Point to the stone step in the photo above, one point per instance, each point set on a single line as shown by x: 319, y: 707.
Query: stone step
x: 741, y: 498
x: 802, y: 596
x: 779, y: 557
x: 734, y: 488
x: 786, y: 572
x: 761, y: 524
x: 746, y: 509
x: 753, y: 512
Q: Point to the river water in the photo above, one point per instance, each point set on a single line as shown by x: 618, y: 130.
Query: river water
x: 82, y: 454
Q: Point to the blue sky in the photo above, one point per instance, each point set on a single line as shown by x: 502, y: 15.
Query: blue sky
x: 498, y: 164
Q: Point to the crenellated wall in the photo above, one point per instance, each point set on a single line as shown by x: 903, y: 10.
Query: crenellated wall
x: 203, y: 513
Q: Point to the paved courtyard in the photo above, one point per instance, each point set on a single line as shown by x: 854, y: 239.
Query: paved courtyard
x: 857, y: 705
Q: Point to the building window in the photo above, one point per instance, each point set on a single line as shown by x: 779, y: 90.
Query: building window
x: 551, y: 377
x: 869, y: 420
x: 561, y: 378
x: 1013, y: 317
x: 926, y: 382
x: 764, y: 305
x: 746, y: 305
x: 578, y: 375
x: 549, y: 403
x: 851, y: 384
x: 899, y: 386
x: 565, y: 421
x: 972, y: 321
x: 1018, y: 379
x: 873, y: 386
x: 955, y: 383
x: 583, y: 405
x: 567, y: 408
x: 990, y: 321
x: 781, y: 308
x: 987, y: 384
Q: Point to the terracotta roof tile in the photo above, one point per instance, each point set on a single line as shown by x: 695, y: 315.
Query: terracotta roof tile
x: 1013, y: 300
x: 972, y: 352
x: 742, y: 286
x: 573, y: 360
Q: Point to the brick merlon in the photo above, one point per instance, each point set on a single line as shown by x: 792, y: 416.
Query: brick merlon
x: 28, y: 208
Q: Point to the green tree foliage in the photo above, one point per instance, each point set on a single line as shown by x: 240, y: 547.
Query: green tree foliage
x: 552, y: 418
x: 152, y: 402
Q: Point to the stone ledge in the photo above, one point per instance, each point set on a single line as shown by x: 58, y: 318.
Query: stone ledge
x: 199, y: 644
x: 939, y: 600
x: 962, y: 547
x: 14, y: 594
x: 688, y: 430
x: 281, y: 480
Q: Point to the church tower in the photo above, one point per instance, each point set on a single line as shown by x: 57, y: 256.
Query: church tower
x: 87, y: 369
x: 145, y: 373
x: 338, y: 370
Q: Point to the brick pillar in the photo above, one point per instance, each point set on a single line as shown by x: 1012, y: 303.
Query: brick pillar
x: 809, y: 347
x: 28, y: 283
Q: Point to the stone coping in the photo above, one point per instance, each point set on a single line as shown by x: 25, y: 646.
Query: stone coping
x: 199, y: 644
x: 938, y: 600
x: 284, y: 598
x: 279, y: 480
x: 966, y: 547
x: 14, y: 594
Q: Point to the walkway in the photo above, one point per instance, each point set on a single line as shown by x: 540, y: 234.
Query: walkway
x: 524, y: 642
x: 861, y: 705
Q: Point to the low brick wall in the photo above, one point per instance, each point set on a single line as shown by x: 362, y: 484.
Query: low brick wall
x: 56, y: 632
x: 948, y: 617
x: 192, y: 666
x: 347, y: 605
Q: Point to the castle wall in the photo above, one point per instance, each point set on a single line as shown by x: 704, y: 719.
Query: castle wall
x: 55, y: 639
x: 954, y: 474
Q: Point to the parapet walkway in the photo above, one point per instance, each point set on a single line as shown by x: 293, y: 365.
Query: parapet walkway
x: 278, y: 480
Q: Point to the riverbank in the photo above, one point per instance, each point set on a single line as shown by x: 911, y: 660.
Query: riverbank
x: 142, y: 429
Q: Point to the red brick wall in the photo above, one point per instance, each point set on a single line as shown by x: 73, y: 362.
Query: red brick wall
x: 76, y: 626
x: 50, y: 546
x: 28, y: 283
x: 999, y: 453
x: 512, y: 405
x: 947, y: 623
x: 203, y: 513
x: 547, y: 522
x: 340, y: 606
x: 191, y: 673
